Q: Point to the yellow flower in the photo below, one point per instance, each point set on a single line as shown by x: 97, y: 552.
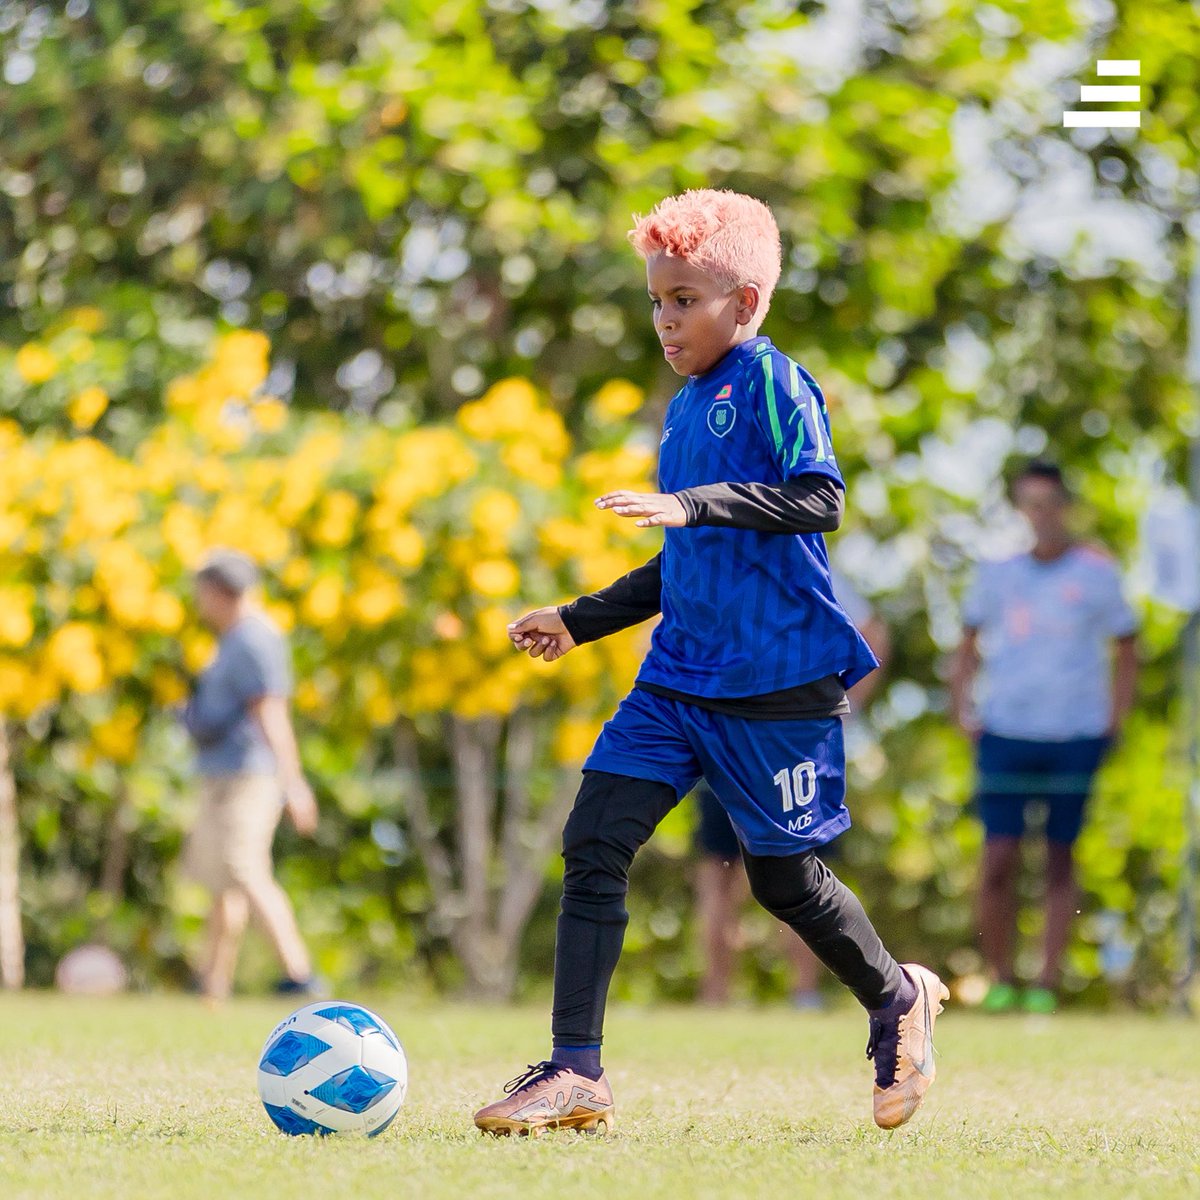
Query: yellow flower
x: 16, y: 619
x: 128, y: 583
x: 166, y: 686
x: 166, y: 612
x: 117, y: 738
x: 377, y: 602
x: 380, y: 710
x: 184, y: 393
x: 198, y: 648
x: 120, y: 651
x: 34, y: 363
x: 296, y: 573
x: 73, y: 654
x: 574, y: 739
x: 183, y: 532
x: 88, y: 407
x: 86, y: 319
x: 599, y: 570
x: 86, y: 599
x: 404, y: 545
x: 618, y: 398
x: 308, y: 696
x: 14, y: 681
x: 335, y: 522
x: 432, y: 683
x: 281, y: 613
x: 241, y: 361
x: 489, y: 696
x: 529, y: 461
x: 212, y: 474
x: 507, y: 409
x: 41, y: 688
x: 491, y: 634
x: 562, y: 540
x: 494, y: 513
x: 494, y: 577
x: 378, y: 704
x: 323, y: 602
x: 623, y: 468
x: 269, y: 414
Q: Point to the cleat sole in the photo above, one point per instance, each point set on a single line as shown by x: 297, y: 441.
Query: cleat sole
x: 593, y: 1123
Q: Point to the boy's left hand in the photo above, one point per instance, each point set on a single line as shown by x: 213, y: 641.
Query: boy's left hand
x: 651, y: 508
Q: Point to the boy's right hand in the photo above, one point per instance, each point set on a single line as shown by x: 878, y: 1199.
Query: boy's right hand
x: 542, y: 633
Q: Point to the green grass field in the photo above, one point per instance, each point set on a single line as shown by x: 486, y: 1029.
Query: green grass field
x: 149, y: 1097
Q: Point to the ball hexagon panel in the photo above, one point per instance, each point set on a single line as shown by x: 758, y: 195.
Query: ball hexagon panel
x: 292, y: 1123
x: 291, y: 1051
x: 354, y: 1090
x: 361, y: 1020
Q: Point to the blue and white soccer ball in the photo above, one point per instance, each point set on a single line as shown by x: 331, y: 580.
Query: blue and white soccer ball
x: 332, y: 1067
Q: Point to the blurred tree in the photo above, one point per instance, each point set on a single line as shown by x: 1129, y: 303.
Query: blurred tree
x: 416, y: 198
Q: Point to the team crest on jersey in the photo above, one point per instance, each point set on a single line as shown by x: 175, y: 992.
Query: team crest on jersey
x: 722, y: 414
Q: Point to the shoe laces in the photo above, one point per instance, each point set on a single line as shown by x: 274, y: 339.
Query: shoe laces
x: 883, y: 1047
x: 534, y: 1073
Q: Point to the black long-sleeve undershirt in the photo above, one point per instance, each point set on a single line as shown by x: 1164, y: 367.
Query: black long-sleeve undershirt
x: 808, y: 504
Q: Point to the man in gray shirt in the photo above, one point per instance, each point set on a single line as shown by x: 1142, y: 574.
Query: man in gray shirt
x: 250, y: 772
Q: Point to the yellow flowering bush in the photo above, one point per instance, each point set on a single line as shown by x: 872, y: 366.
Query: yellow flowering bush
x: 394, y: 559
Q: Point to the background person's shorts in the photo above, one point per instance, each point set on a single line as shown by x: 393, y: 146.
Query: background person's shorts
x: 230, y: 843
x: 783, y: 783
x: 1011, y: 772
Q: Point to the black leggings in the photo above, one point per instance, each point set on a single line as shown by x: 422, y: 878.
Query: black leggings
x: 613, y: 817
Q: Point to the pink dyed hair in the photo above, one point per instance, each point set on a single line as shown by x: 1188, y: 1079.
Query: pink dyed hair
x: 728, y: 235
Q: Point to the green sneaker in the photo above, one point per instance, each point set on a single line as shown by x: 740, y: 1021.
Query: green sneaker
x: 1040, y: 1000
x: 1000, y: 998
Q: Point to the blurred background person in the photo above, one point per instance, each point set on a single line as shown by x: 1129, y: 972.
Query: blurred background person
x: 1055, y: 639
x: 721, y: 885
x: 249, y: 765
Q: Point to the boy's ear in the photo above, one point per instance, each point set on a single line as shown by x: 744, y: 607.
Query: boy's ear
x: 747, y: 304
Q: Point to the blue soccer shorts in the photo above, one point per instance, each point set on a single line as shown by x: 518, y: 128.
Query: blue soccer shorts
x: 1013, y: 772
x: 715, y: 836
x: 783, y: 783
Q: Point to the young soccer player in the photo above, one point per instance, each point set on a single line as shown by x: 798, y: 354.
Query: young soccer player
x: 745, y: 680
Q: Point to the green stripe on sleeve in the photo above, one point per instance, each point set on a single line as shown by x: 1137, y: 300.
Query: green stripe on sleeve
x: 818, y: 428
x: 772, y: 408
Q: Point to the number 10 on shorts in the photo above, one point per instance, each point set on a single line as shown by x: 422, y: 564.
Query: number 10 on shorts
x: 798, y: 784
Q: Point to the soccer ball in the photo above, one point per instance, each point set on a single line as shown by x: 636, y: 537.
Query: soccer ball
x: 332, y: 1067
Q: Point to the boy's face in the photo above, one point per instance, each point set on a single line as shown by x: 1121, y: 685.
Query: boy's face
x: 695, y: 320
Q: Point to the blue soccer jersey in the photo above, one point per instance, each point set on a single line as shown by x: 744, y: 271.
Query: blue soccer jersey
x: 744, y: 612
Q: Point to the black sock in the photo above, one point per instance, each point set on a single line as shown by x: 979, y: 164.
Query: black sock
x: 583, y: 1060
